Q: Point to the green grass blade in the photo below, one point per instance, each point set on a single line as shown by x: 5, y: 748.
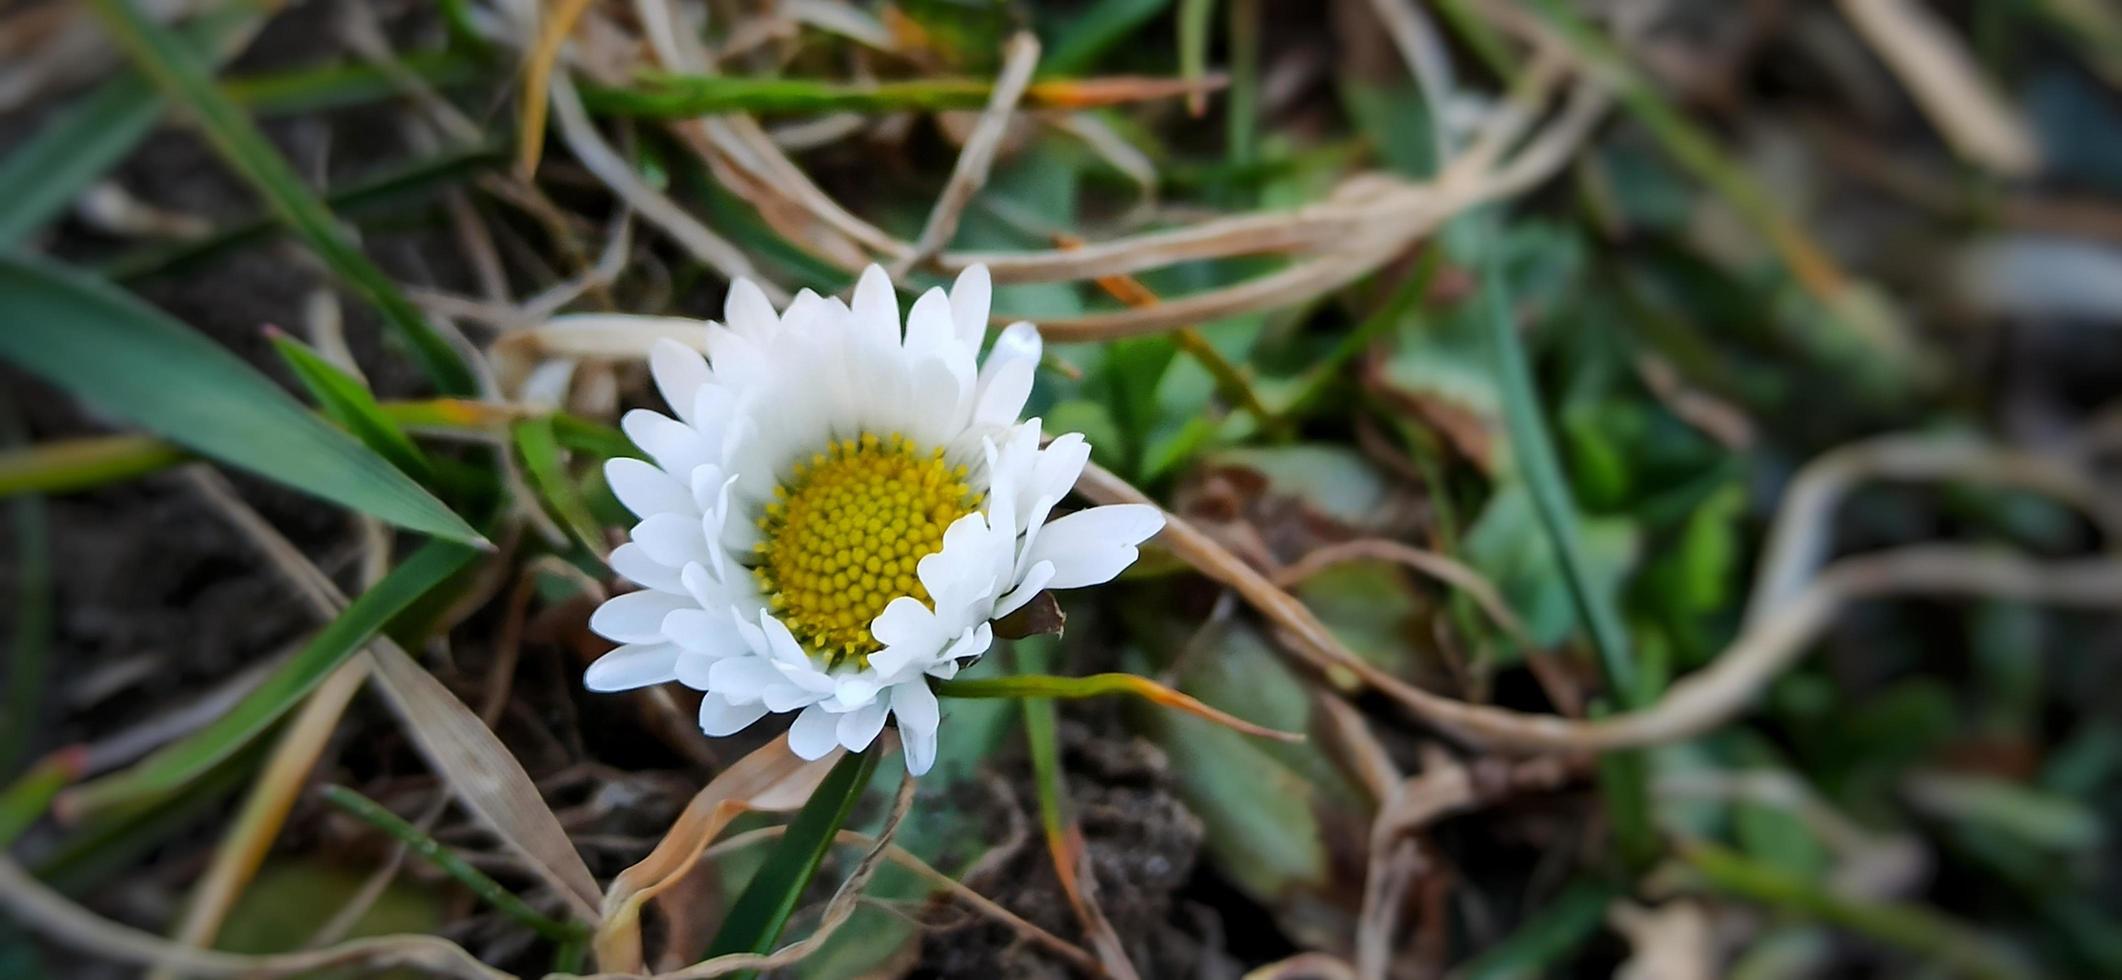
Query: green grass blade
x: 310, y: 90
x: 1624, y: 776
x: 1090, y: 32
x: 1542, y: 472
x: 449, y: 863
x: 85, y: 140
x: 347, y: 401
x: 1538, y: 946
x: 756, y: 918
x: 130, y: 360
x: 586, y: 436
x: 543, y: 459
x: 1955, y: 946
x: 185, y: 81
x: 28, y: 660
x: 78, y: 464
x: 180, y: 762
x: 26, y: 799
x: 1195, y: 18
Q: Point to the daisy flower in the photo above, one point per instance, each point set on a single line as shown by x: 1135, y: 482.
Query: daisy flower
x: 838, y: 511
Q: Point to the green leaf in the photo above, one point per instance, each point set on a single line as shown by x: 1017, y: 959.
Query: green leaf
x: 290, y: 896
x: 176, y: 764
x: 1538, y: 945
x: 1270, y: 810
x: 1506, y: 544
x: 82, y: 142
x: 130, y: 360
x: 540, y: 448
x: 178, y: 73
x: 1087, y: 33
x: 347, y: 401
x: 755, y: 920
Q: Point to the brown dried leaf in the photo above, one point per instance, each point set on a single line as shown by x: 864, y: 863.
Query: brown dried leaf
x: 486, y: 778
x: 771, y: 778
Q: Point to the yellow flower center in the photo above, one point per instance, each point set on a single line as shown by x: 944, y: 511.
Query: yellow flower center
x: 844, y: 533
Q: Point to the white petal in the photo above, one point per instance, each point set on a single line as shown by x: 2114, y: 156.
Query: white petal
x: 741, y: 679
x: 636, y: 617
x: 630, y: 561
x: 970, y: 646
x: 895, y: 661
x: 906, y: 621
x: 853, y: 692
x: 1091, y: 546
x: 858, y: 728
x: 701, y: 631
x: 673, y: 540
x: 928, y: 324
x: 674, y: 445
x: 631, y: 666
x: 647, y: 490
x: 875, y: 322
x: 1036, y: 579
x: 782, y: 645
x: 679, y: 372
x: 783, y: 696
x: 748, y: 312
x: 719, y: 717
x: 914, y: 706
x: 969, y: 299
x: 1002, y: 394
x: 815, y: 733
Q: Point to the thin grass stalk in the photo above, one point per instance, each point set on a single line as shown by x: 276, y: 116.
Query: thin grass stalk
x: 448, y: 862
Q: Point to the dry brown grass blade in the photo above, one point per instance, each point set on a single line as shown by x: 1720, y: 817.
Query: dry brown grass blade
x: 1799, y: 540
x: 1305, y: 966
x: 250, y: 837
x: 1695, y: 703
x: 1443, y: 568
x: 50, y: 915
x: 837, y: 910
x: 1019, y: 57
x: 556, y: 20
x: 487, y: 779
x: 771, y: 778
x: 1284, y: 287
x: 658, y: 209
x: 1079, y: 885
x: 1947, y: 83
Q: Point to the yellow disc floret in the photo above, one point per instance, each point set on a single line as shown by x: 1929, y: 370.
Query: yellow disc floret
x: 843, y: 536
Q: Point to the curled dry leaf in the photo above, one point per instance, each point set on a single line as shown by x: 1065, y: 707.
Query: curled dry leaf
x: 771, y: 779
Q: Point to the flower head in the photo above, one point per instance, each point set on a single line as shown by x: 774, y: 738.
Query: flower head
x: 839, y: 509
